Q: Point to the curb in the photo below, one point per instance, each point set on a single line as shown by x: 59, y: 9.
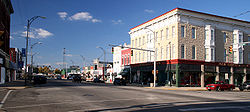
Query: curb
x: 16, y: 88
x: 182, y: 89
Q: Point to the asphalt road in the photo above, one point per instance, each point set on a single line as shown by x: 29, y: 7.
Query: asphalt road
x: 65, y: 96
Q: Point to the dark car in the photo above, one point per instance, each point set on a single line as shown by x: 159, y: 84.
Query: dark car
x: 39, y: 79
x: 245, y: 85
x: 119, y: 81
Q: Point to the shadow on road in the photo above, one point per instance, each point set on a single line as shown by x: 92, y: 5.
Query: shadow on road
x: 184, y: 107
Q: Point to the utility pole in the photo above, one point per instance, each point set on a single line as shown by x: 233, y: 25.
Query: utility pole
x: 64, y: 62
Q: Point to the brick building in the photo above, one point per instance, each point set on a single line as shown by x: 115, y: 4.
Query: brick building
x: 5, y: 10
x: 192, y: 49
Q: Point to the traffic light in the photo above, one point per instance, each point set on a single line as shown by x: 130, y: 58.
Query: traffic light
x: 131, y: 52
x: 112, y: 50
x: 230, y: 49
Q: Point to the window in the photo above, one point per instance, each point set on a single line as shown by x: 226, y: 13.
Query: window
x: 156, y: 36
x: 240, y: 38
x: 225, y: 55
x: 139, y: 58
x: 248, y: 57
x: 193, y: 52
x: 167, y: 52
x: 133, y: 43
x: 182, y: 31
x: 193, y: 32
x: 212, y: 54
x: 182, y: 51
x: 249, y: 39
x: 161, y: 34
x: 143, y: 40
x: 135, y: 57
x: 173, y: 31
x: 173, y: 52
x: 128, y: 60
x: 225, y: 37
x: 206, y: 53
x: 166, y: 33
x: 143, y: 55
x: 148, y: 38
x: 240, y: 55
x: 234, y: 56
x: 139, y: 42
x: 212, y: 34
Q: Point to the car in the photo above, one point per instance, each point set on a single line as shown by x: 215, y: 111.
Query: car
x: 220, y: 86
x: 39, y: 79
x: 245, y: 85
x: 119, y: 81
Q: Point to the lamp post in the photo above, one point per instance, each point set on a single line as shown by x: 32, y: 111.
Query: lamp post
x: 27, y: 41
x: 154, y: 55
x: 104, y: 61
x: 31, y: 47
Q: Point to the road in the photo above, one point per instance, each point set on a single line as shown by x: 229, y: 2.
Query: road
x: 65, y: 96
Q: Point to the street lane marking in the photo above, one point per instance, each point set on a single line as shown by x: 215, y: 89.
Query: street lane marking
x: 4, y: 99
x: 213, y: 108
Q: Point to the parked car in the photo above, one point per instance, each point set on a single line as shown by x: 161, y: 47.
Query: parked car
x: 220, y: 86
x: 245, y: 85
x: 39, y: 79
x: 119, y: 81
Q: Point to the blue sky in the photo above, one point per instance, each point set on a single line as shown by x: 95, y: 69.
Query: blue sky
x: 81, y: 25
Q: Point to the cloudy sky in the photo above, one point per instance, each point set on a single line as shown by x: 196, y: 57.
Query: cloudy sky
x: 82, y: 25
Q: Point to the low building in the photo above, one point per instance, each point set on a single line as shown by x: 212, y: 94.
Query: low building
x: 192, y: 49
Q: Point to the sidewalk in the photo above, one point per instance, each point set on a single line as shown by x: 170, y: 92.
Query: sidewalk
x: 18, y: 84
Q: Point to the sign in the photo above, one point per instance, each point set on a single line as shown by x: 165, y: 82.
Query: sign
x: 23, y: 52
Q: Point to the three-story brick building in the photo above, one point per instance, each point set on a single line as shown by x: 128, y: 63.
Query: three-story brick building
x: 192, y: 49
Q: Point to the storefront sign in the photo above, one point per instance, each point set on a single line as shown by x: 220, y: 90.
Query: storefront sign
x: 190, y: 68
x: 210, y: 69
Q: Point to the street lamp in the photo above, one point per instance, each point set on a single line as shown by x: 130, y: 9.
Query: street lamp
x: 154, y: 54
x: 27, y: 41
x: 31, y: 61
x: 104, y: 61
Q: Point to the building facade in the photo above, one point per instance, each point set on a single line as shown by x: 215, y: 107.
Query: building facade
x: 6, y: 10
x: 192, y: 49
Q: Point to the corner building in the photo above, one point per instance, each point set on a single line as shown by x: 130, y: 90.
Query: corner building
x: 192, y: 49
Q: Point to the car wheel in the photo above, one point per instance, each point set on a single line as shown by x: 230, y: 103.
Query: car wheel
x: 209, y: 89
x: 218, y: 89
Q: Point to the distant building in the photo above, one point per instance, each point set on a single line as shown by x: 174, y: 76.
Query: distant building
x: 6, y: 10
x: 192, y: 49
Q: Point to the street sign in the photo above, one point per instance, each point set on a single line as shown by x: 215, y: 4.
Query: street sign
x: 23, y: 52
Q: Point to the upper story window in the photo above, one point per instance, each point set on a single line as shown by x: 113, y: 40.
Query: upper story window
x: 167, y: 33
x: 143, y: 40
x: 167, y: 52
x: 173, y: 52
x: 193, y: 52
x: 182, y: 51
x: 240, y: 56
x: 139, y: 42
x: 161, y: 34
x: 161, y: 52
x: 173, y: 31
x: 240, y: 38
x: 212, y: 54
x: 193, y: 33
x: 212, y: 34
x: 182, y: 31
x: 225, y: 37
x: 156, y: 36
x: 135, y: 43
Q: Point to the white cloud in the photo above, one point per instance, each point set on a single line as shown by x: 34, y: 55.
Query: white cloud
x: 43, y: 33
x: 96, y: 20
x: 62, y: 15
x: 37, y: 33
x: 117, y: 21
x: 84, y: 16
x: 148, y: 11
x: 69, y: 55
